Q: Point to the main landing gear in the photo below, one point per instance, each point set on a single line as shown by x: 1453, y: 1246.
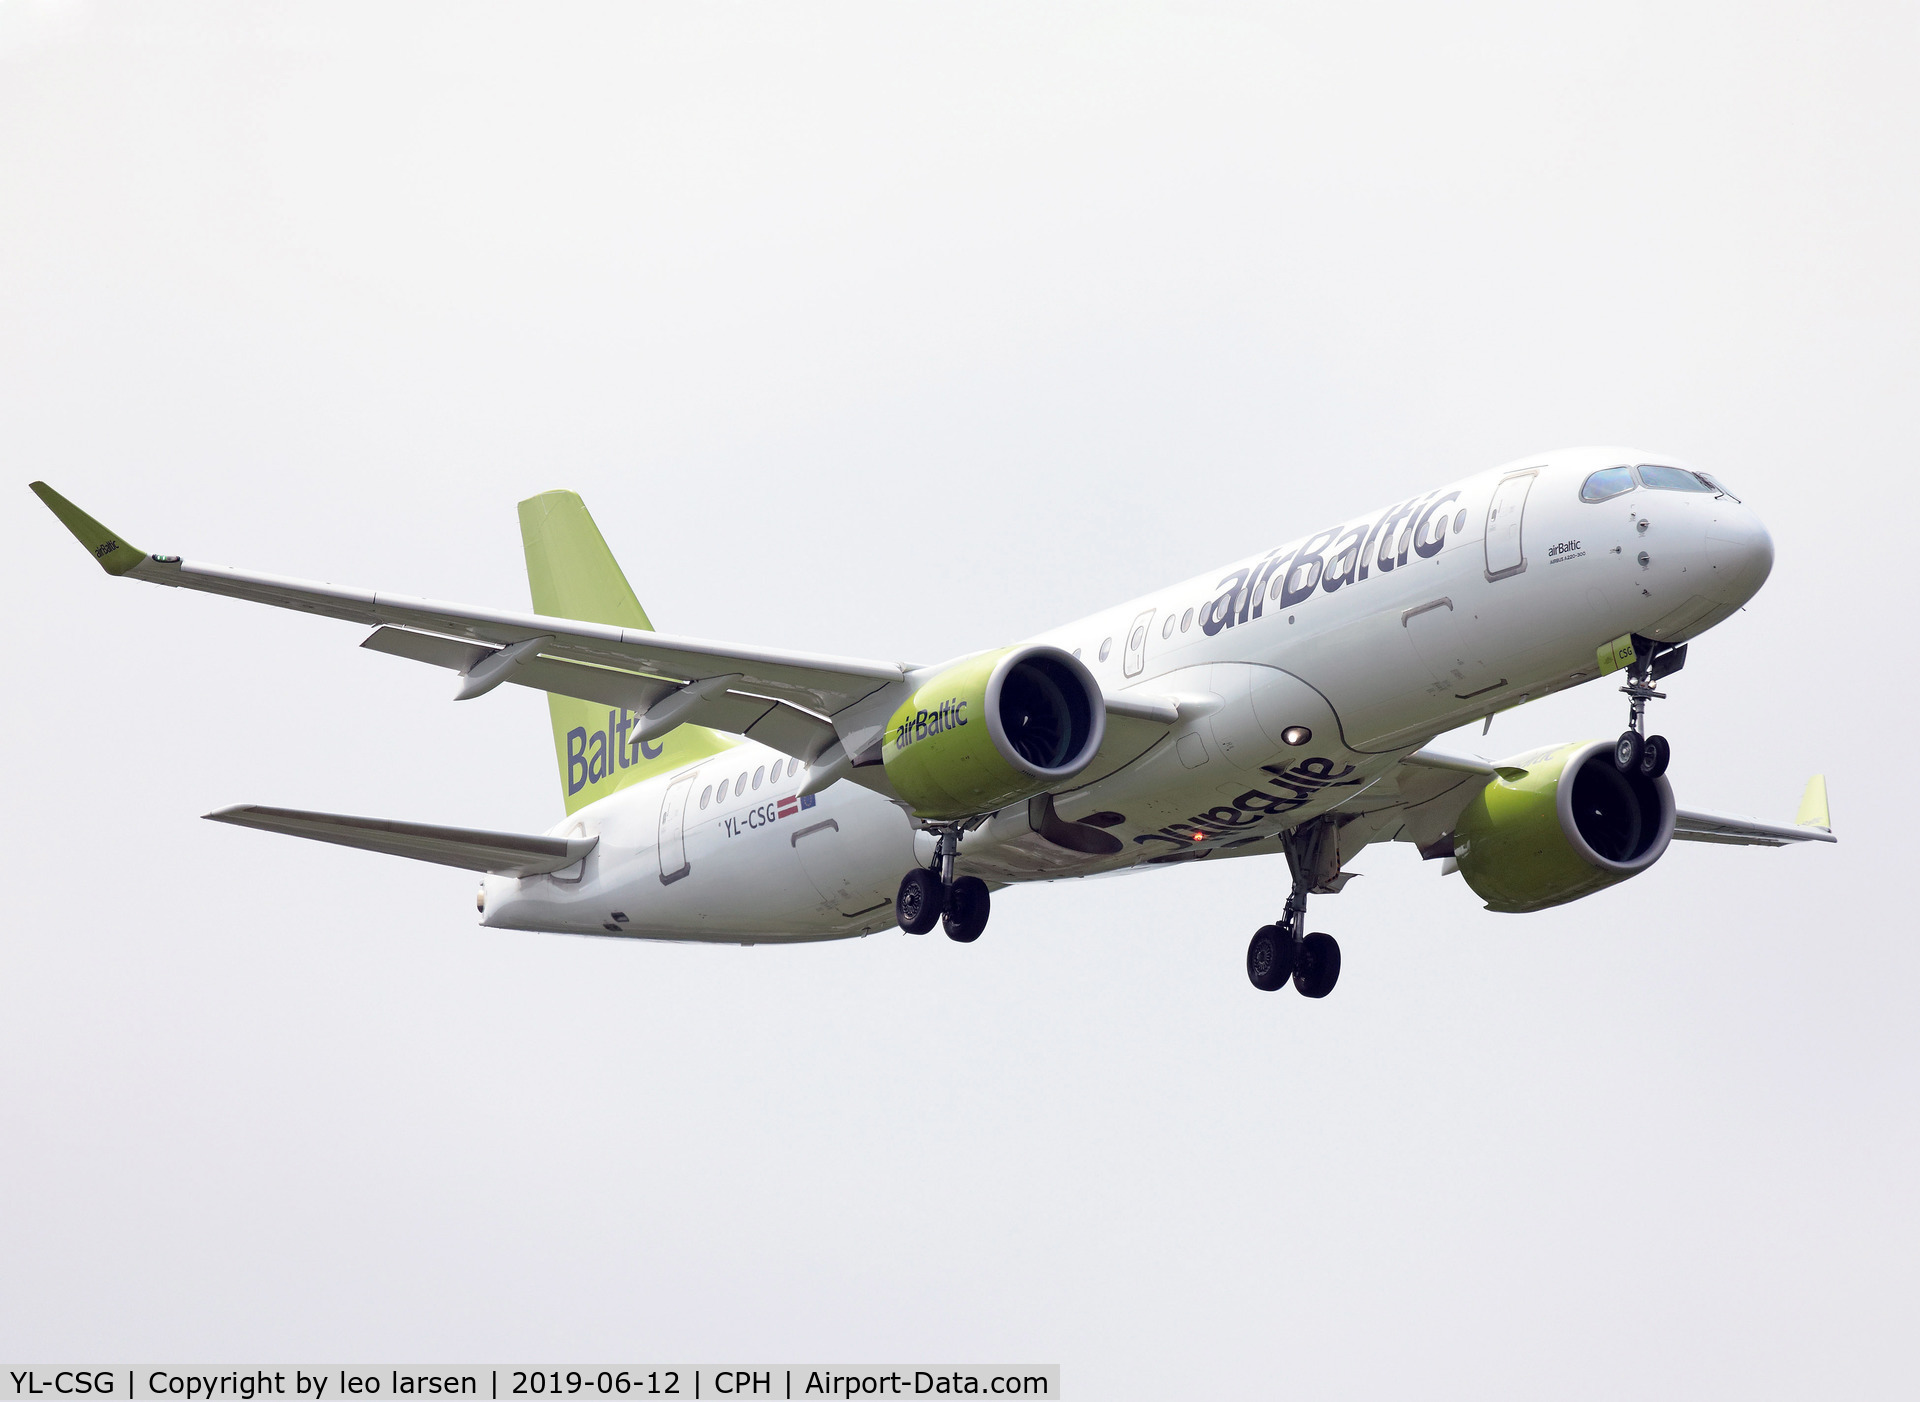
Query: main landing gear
x: 1637, y: 752
x: 934, y: 895
x: 1285, y: 953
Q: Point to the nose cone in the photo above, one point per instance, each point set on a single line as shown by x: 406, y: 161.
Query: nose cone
x: 1739, y: 553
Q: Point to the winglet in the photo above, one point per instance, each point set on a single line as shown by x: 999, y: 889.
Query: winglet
x: 1813, y: 806
x: 113, y: 553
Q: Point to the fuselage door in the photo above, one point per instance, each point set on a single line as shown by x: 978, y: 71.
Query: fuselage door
x: 673, y: 829
x: 1506, y: 552
x: 1137, y: 643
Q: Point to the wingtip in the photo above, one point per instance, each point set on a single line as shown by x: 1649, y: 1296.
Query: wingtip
x: 115, y: 555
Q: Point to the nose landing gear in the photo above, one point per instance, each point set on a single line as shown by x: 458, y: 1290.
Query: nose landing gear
x: 1283, y: 952
x: 1636, y: 751
x: 930, y: 896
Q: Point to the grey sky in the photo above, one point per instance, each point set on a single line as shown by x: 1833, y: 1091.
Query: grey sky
x: 897, y: 331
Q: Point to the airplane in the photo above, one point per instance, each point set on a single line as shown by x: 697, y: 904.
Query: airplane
x: 1282, y: 705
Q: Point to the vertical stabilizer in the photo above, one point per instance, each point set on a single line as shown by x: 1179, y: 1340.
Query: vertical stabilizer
x: 573, y: 575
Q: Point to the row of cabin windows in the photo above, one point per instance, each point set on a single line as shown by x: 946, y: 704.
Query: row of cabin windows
x: 1139, y: 639
x: 716, y: 794
x: 1140, y: 634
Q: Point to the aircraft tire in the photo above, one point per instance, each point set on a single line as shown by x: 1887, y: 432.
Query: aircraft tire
x: 917, y: 905
x: 1627, y: 751
x: 1269, y: 959
x: 968, y: 904
x: 1318, y: 966
x: 1654, y: 756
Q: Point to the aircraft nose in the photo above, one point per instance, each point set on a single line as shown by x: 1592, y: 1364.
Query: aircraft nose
x: 1739, y: 552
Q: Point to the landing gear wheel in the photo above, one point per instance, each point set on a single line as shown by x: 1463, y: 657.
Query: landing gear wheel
x: 1627, y: 751
x: 967, y: 906
x: 917, y: 906
x: 1654, y: 755
x: 1318, y: 966
x: 1270, y: 959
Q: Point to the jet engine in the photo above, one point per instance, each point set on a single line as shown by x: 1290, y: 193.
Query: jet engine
x: 1559, y: 824
x: 993, y: 730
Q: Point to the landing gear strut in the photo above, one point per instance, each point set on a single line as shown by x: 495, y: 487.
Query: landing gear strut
x: 934, y: 895
x: 1285, y: 951
x: 1637, y: 752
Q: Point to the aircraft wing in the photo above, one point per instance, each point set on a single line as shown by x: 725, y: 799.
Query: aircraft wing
x: 1813, y: 824
x: 623, y: 666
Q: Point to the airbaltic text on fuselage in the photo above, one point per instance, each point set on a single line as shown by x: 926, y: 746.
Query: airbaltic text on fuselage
x: 1298, y: 786
x: 948, y: 715
x: 592, y: 757
x: 1334, y: 558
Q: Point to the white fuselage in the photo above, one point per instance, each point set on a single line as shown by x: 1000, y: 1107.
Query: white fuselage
x: 1372, y: 636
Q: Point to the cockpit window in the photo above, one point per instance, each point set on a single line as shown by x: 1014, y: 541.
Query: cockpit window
x: 1607, y: 482
x: 1673, y: 479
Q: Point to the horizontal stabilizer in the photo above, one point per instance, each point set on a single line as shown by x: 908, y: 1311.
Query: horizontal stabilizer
x: 502, y: 853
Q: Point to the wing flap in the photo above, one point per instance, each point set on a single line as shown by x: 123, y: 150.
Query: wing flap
x: 501, y: 853
x: 608, y: 686
x: 778, y: 724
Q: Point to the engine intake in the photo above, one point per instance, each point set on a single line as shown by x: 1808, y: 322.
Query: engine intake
x: 1569, y: 824
x: 993, y: 730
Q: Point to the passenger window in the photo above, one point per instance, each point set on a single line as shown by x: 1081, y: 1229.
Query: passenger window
x: 1106, y: 646
x: 1460, y: 522
x: 1279, y: 579
x: 758, y: 775
x: 1139, y: 639
x: 706, y: 794
x: 1673, y: 479
x: 1186, y: 620
x: 740, y: 784
x: 793, y: 767
x: 1166, y: 629
x: 1608, y: 482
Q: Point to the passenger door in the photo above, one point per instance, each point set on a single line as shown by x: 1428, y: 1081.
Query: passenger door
x: 1136, y: 661
x: 1506, y: 552
x: 673, y: 829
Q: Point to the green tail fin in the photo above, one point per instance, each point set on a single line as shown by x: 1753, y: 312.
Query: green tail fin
x: 573, y: 575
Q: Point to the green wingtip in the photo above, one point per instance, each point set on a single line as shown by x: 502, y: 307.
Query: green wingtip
x: 1813, y: 805
x: 113, y: 553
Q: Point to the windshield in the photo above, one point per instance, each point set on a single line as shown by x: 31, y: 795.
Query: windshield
x: 1674, y: 479
x: 1607, y: 482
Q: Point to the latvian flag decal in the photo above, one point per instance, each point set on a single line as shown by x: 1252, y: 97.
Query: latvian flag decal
x: 791, y: 805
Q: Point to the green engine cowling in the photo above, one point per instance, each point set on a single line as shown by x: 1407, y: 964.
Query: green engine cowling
x: 1559, y: 824
x: 993, y: 730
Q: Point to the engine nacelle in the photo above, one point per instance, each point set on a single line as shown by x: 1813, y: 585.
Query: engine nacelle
x: 1566, y: 825
x: 993, y: 730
